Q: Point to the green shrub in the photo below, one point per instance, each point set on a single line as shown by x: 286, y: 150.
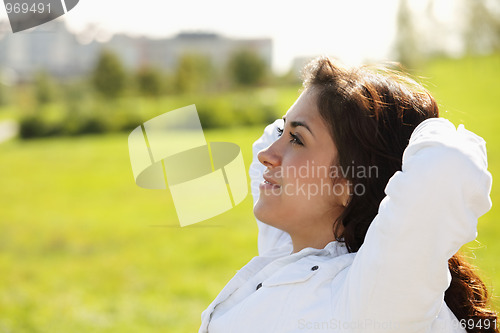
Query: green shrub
x: 215, y: 113
x: 31, y: 126
x: 36, y: 125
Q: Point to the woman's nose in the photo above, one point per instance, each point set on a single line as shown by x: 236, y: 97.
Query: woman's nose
x: 269, y: 156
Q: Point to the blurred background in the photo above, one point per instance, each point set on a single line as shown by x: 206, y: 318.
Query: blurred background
x: 82, y: 248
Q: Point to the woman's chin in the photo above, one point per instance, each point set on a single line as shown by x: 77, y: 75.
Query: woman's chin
x: 262, y: 211
x: 257, y: 210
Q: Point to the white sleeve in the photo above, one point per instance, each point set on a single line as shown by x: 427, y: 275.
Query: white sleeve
x: 269, y: 237
x: 399, y: 275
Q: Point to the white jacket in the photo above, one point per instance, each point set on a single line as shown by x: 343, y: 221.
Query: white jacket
x: 397, y: 279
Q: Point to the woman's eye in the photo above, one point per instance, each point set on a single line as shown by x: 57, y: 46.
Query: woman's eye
x: 295, y: 139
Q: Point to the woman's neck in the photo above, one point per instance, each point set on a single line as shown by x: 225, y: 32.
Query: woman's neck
x: 316, y: 239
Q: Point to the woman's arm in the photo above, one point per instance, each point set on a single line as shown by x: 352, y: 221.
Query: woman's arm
x: 400, y: 273
x: 269, y: 237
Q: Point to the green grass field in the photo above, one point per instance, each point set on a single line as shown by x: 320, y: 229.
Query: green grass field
x: 83, y: 249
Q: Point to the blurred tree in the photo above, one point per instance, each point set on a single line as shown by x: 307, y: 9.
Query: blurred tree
x: 291, y: 77
x: 433, y: 34
x: 193, y: 73
x: 109, y: 77
x: 246, y: 68
x: 406, y: 45
x: 149, y: 81
x: 482, y: 32
x: 4, y: 95
x: 45, y: 88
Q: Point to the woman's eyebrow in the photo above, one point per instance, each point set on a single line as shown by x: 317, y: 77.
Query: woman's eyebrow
x: 299, y: 123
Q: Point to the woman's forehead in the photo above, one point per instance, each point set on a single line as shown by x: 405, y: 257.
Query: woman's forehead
x: 305, y: 110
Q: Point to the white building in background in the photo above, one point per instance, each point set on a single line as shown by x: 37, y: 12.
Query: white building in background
x: 217, y: 48
x: 51, y: 47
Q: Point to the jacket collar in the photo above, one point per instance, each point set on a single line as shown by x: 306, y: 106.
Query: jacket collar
x: 291, y: 274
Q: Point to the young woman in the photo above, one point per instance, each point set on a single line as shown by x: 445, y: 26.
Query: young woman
x: 365, y: 197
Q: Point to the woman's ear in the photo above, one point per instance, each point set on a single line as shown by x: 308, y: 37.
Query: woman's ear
x: 345, y: 200
x: 344, y: 196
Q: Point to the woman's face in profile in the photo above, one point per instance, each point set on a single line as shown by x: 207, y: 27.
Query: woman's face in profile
x: 298, y: 192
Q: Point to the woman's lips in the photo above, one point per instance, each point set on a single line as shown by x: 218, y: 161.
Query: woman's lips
x: 268, y: 185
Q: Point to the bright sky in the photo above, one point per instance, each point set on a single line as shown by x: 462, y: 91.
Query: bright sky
x: 353, y: 30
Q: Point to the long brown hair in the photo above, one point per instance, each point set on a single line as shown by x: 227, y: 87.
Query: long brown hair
x: 371, y: 115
